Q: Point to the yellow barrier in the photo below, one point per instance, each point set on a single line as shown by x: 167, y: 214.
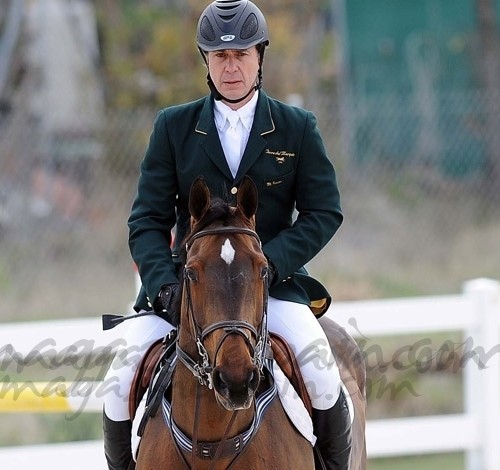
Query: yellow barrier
x: 50, y: 397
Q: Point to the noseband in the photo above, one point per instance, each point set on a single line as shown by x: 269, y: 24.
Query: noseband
x: 203, y: 368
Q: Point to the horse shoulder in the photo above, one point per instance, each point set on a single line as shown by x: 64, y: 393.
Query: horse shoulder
x: 157, y: 450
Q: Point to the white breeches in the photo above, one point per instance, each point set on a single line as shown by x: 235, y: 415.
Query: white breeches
x: 297, y: 324
x: 294, y: 322
x: 139, y: 336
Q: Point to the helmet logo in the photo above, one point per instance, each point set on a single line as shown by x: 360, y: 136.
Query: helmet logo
x: 227, y: 37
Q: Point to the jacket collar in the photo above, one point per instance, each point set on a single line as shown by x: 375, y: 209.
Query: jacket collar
x: 263, y: 124
x: 263, y: 121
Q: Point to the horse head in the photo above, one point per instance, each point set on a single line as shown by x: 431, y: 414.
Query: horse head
x: 225, y: 294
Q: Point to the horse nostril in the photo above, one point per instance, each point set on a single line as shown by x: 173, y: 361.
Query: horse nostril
x: 254, y: 379
x: 219, y: 382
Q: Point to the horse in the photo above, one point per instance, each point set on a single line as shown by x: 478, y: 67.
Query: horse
x: 223, y: 411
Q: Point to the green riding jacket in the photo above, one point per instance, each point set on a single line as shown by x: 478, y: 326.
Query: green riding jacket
x: 286, y: 159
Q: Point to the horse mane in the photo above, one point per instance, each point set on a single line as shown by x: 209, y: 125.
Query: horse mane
x: 219, y: 211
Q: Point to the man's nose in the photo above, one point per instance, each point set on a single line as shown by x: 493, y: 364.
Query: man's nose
x: 231, y: 64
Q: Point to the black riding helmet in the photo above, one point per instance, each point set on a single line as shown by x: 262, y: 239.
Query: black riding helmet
x: 232, y: 24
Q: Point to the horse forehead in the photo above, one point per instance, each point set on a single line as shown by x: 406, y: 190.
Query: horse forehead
x: 231, y: 246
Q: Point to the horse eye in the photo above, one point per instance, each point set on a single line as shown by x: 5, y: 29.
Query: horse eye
x: 190, y: 275
x: 264, y: 273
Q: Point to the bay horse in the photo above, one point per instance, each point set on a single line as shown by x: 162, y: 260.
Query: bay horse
x: 228, y: 416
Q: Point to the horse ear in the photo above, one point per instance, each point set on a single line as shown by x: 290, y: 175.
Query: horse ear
x: 248, y: 198
x: 199, y: 198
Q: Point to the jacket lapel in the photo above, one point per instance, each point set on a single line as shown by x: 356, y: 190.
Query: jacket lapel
x: 262, y: 124
x: 211, y: 143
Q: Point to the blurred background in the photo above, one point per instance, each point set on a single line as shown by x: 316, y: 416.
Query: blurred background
x: 407, y: 97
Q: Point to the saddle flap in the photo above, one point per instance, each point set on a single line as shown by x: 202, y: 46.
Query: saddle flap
x: 144, y: 374
x: 285, y: 358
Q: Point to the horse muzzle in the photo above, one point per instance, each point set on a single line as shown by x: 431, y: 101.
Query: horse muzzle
x: 235, y: 391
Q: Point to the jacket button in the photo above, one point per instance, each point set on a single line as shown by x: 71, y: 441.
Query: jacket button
x: 234, y: 190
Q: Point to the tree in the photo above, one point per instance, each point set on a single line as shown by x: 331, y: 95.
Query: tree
x: 150, y: 55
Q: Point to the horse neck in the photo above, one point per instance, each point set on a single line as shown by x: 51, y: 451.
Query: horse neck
x: 195, y: 405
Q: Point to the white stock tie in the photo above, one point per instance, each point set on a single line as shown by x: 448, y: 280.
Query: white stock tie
x: 232, y: 148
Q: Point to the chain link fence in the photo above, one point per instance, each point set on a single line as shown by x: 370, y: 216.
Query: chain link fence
x: 420, y: 213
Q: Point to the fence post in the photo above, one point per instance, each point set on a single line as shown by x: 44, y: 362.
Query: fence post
x: 482, y: 373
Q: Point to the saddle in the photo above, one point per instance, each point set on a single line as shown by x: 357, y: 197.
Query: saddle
x: 160, y: 354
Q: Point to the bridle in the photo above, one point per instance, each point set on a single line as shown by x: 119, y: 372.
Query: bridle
x: 203, y: 368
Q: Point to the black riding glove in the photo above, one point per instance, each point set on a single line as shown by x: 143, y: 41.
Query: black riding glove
x: 167, y: 303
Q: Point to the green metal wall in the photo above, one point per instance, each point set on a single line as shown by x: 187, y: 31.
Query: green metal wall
x: 389, y: 38
x: 413, y: 83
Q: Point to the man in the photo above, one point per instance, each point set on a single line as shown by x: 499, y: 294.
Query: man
x: 235, y: 131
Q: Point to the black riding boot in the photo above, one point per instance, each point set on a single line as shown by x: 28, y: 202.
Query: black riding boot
x: 117, y: 443
x: 332, y: 428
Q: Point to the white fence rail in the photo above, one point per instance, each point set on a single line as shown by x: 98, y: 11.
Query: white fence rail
x: 475, y: 312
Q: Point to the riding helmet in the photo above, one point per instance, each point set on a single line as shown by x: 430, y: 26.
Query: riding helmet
x: 231, y: 24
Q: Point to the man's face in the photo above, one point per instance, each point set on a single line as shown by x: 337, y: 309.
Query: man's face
x: 234, y: 72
